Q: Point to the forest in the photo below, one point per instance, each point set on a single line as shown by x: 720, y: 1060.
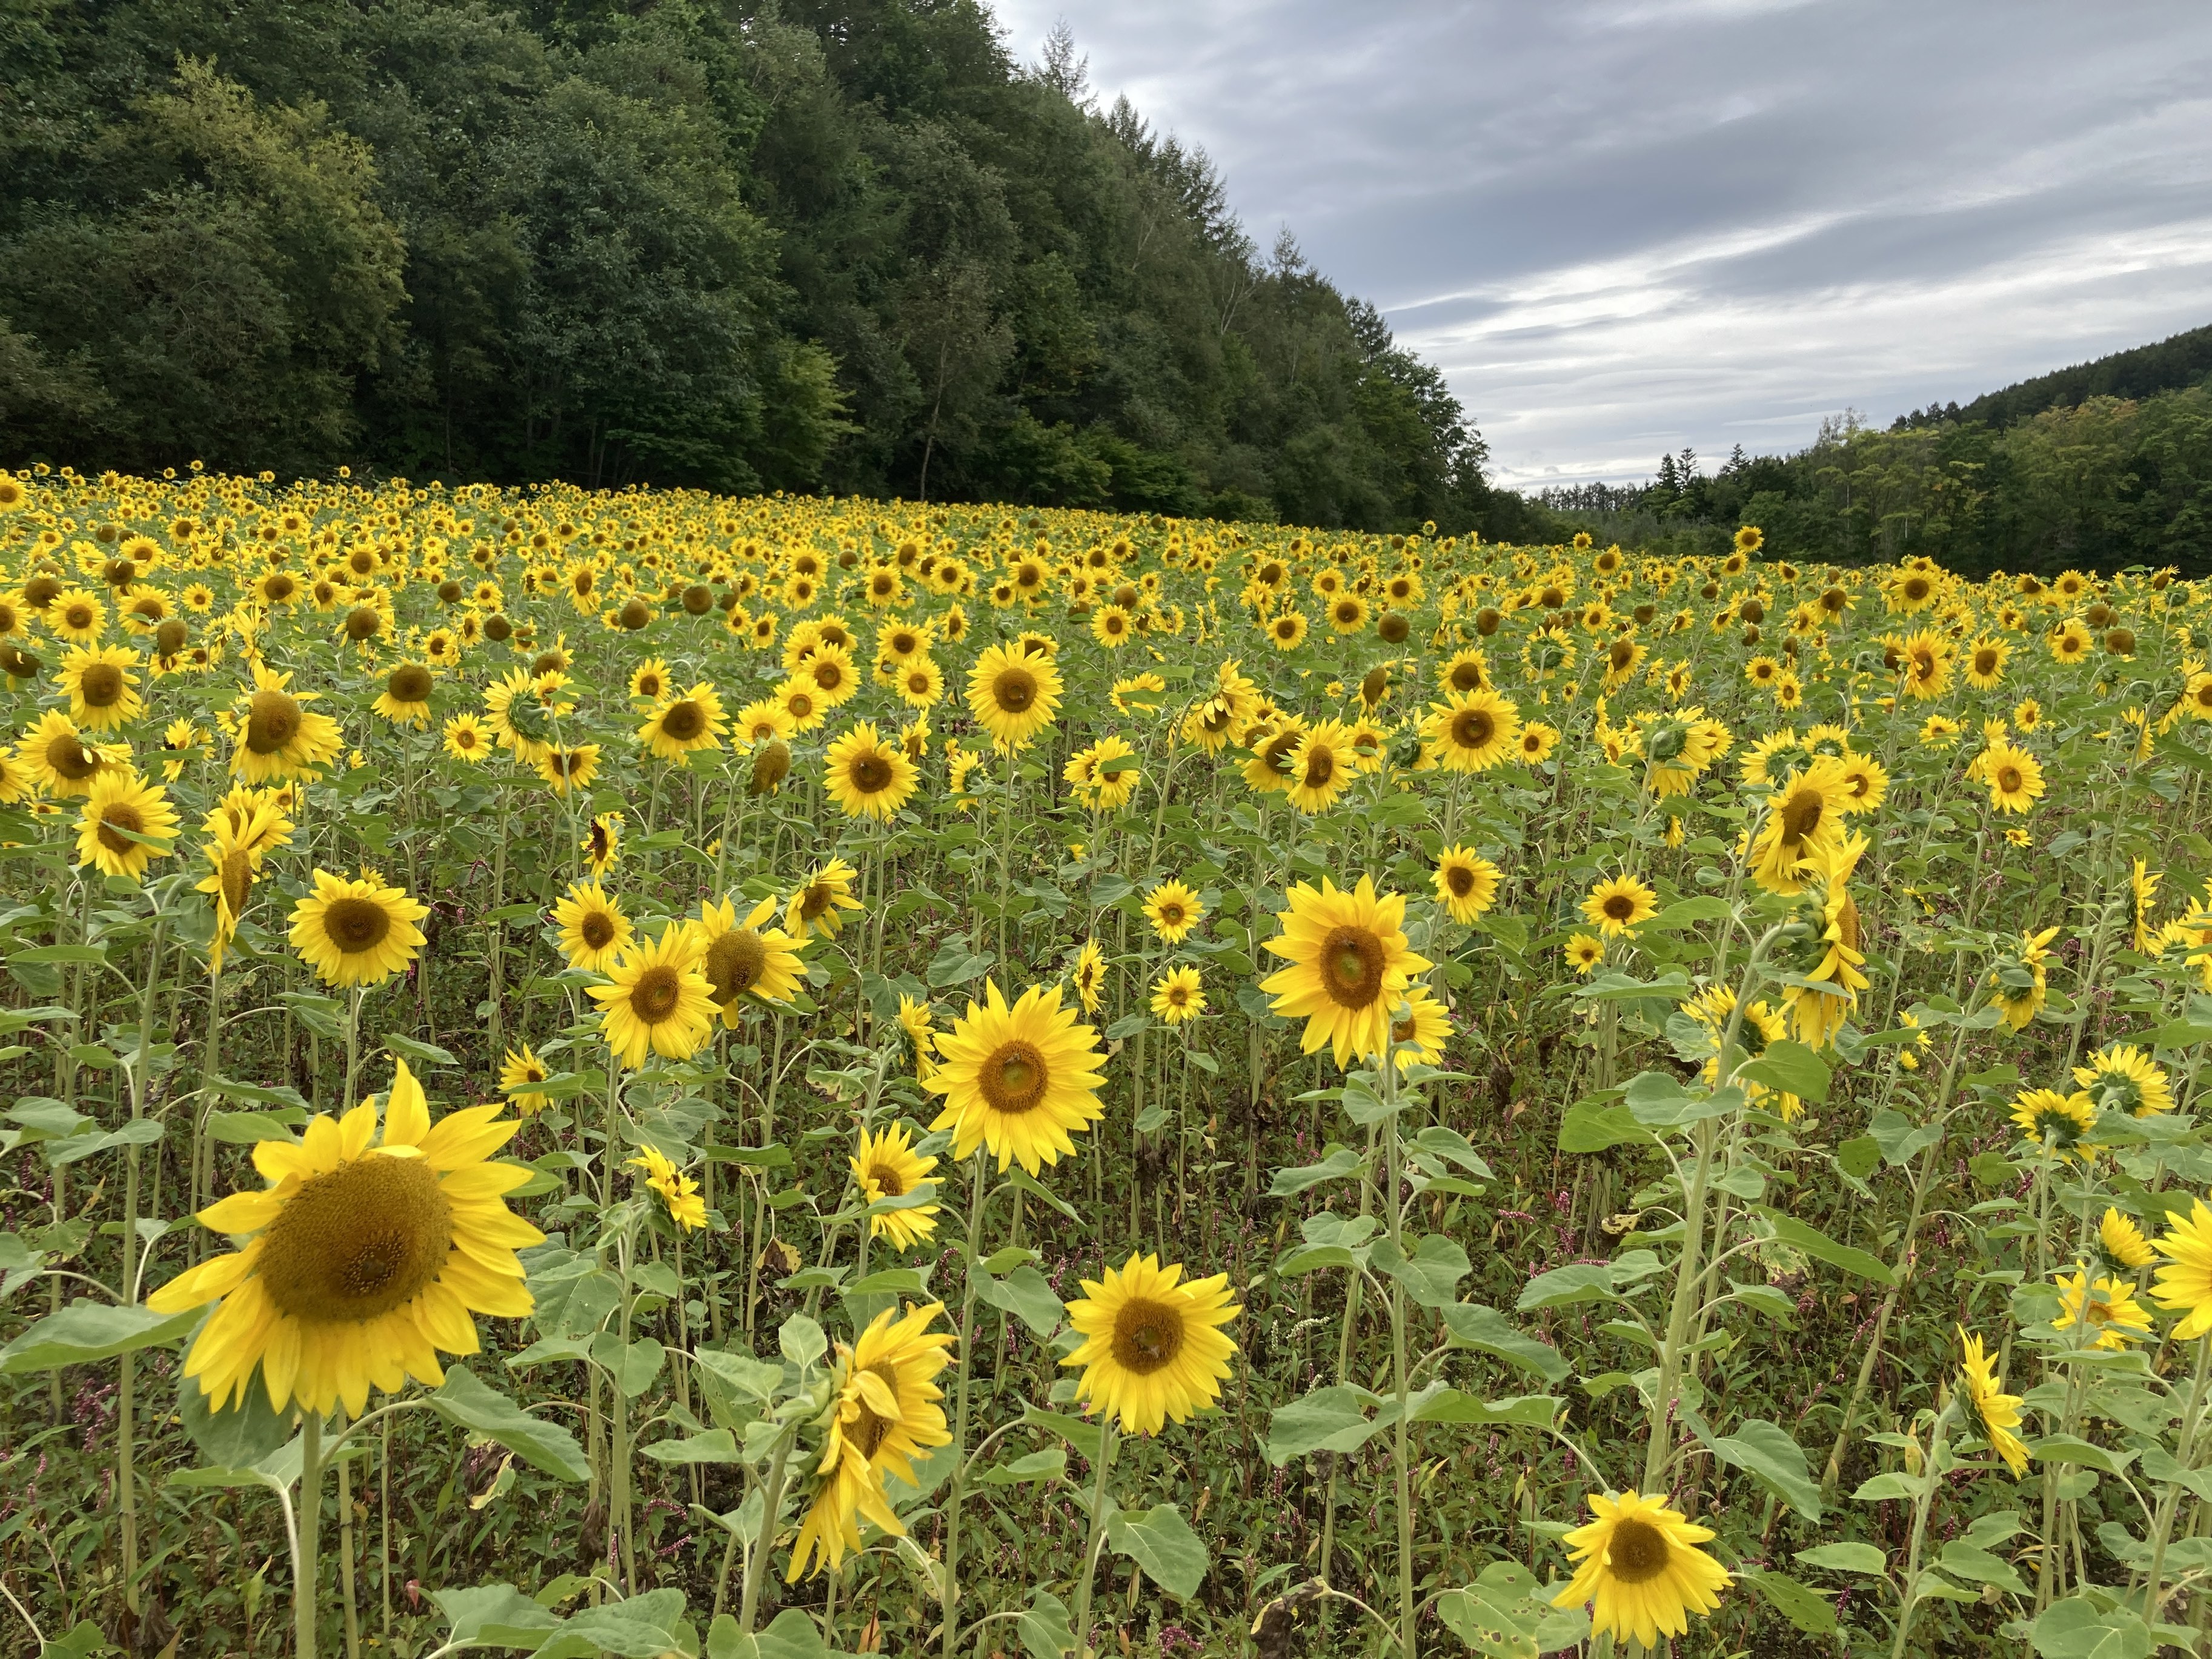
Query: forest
x: 829, y: 248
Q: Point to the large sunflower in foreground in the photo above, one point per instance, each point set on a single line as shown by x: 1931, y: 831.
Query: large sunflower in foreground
x: 1012, y: 694
x: 1472, y: 731
x: 867, y: 776
x: 1017, y: 1079
x: 1153, y: 1348
x: 1639, y: 1566
x: 278, y: 736
x: 366, y: 1259
x: 357, y: 932
x: 882, y: 1415
x: 2185, y: 1283
x: 659, y: 1001
x: 745, y: 958
x: 1350, y: 965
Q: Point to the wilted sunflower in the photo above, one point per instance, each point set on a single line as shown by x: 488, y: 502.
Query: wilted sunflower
x: 1471, y: 732
x: 1350, y: 965
x: 818, y: 905
x: 100, y: 684
x: 278, y: 736
x: 1012, y: 694
x: 593, y: 931
x: 1089, y: 975
x: 867, y: 777
x: 236, y: 860
x: 366, y: 1259
x: 357, y: 932
x: 658, y: 1001
x: 887, y: 1166
x: 680, y: 725
x: 748, y: 958
x: 120, y: 808
x: 1152, y: 1349
x: 1822, y: 944
x: 1173, y: 909
x: 1639, y: 1567
x: 1018, y: 1079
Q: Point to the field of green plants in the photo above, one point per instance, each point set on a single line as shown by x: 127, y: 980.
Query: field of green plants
x: 646, y: 1072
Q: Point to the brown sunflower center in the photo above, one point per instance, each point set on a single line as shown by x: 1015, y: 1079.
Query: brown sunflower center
x: 278, y: 587
x: 1800, y: 814
x: 1321, y: 767
x: 1637, y: 1552
x: 1014, y: 690
x: 635, y: 614
x: 356, y: 925
x: 118, y: 816
x: 1014, y: 1077
x: 596, y: 929
x: 1985, y: 661
x: 683, y: 721
x: 272, y: 721
x: 828, y: 673
x: 1473, y: 728
x: 735, y: 963
x: 236, y: 874
x: 101, y: 686
x: 888, y: 1181
x: 363, y: 623
x: 1352, y: 963
x: 1465, y: 676
x: 657, y: 994
x: 2008, y: 778
x: 1618, y: 907
x: 70, y: 759
x: 872, y: 773
x: 410, y: 682
x: 867, y: 1430
x: 1459, y: 879
x: 358, y: 1241
x: 1147, y: 1335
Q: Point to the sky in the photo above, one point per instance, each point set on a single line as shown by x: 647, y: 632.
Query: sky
x: 1622, y: 227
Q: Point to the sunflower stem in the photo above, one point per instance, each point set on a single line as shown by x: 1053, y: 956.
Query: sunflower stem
x: 771, y: 1508
x: 959, y: 1484
x: 1408, y: 1608
x: 1106, y: 1438
x: 1931, y: 1478
x: 311, y: 1516
x: 2170, y: 1499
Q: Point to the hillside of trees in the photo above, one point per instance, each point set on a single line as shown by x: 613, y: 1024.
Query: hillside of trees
x: 853, y: 248
x: 2089, y: 478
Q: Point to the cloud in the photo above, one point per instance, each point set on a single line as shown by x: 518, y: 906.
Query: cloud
x: 1624, y: 226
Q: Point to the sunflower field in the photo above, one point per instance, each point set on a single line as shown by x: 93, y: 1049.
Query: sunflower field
x: 646, y: 1072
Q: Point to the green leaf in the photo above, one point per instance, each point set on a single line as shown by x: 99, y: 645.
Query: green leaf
x: 1771, y: 1454
x: 1578, y: 1281
x: 425, y: 1054
x: 1589, y: 1127
x: 1437, y: 1404
x: 1339, y: 1161
x: 1047, y: 1465
x: 495, y: 1615
x: 640, y: 1628
x: 1979, y: 1567
x: 714, y: 1446
x: 246, y: 1129
x: 1791, y: 1068
x: 243, y: 1434
x: 1892, y: 1484
x: 1686, y: 913
x: 1161, y: 1542
x: 1085, y: 1437
x: 2076, y: 1628
x: 632, y: 1367
x: 1333, y: 1419
x: 544, y: 1446
x: 1044, y: 1627
x: 1858, y: 1159
x: 1846, y: 1558
x: 1024, y: 1294
x: 1788, y: 1230
x: 801, y: 1340
x: 139, y: 1131
x: 87, y: 1331
x: 85, y: 954
x: 1484, y: 1330
x: 1802, y: 1605
x: 1431, y: 1275
x: 1454, y: 1147
x: 755, y: 1379
x: 83, y: 1641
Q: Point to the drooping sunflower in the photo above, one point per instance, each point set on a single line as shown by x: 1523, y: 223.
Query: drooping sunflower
x: 1173, y: 909
x: 1804, y: 818
x: 1638, y: 1565
x: 1153, y: 1348
x: 2059, y: 1124
x: 357, y: 932
x: 1177, y: 996
x: 748, y: 958
x: 278, y: 736
x: 594, y: 930
x: 658, y: 1001
x: 2121, y: 1078
x: 1350, y: 965
x: 236, y: 862
x: 883, y: 1414
x: 1823, y: 944
x: 1014, y: 695
x: 2106, y: 1306
x: 1998, y: 1411
x: 886, y: 1165
x: 1617, y: 905
x: 520, y: 1072
x: 1089, y: 975
x: 1466, y: 882
x: 680, y: 725
x: 819, y: 905
x: 2122, y: 1242
x: 687, y: 1207
x: 100, y: 684
x: 1018, y: 1079
x: 1473, y: 731
x: 405, y: 699
x: 867, y: 776
x: 119, y: 807
x: 366, y: 1259
x: 2018, y: 982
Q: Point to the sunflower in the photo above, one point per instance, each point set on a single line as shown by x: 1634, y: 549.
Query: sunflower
x: 357, y: 932
x: 1804, y: 819
x: 365, y: 1260
x: 883, y: 1414
x: 100, y: 683
x: 686, y: 1207
x: 1089, y: 975
x: 2056, y: 1123
x: 520, y: 1072
x: 1321, y: 766
x: 1420, y: 1028
x: 594, y: 930
x: 648, y: 681
x: 2184, y: 1282
x: 465, y: 739
x: 1017, y: 1079
x: 887, y: 1166
x: 1288, y: 631
x: 125, y: 822
x: 1176, y: 996
x: 405, y: 699
x: 234, y: 853
x: 2018, y: 981
x: 800, y: 704
x: 2122, y: 1077
x: 817, y: 906
x: 565, y: 768
x: 1999, y: 1411
x: 1350, y: 965
x: 1619, y: 904
x: 920, y: 682
x: 1639, y: 1566
x: 1867, y: 781
x: 746, y: 959
x: 1466, y: 882
x: 1583, y: 952
x: 77, y: 616
x: 2122, y: 1242
x: 1985, y: 663
x: 1153, y: 1347
x: 867, y: 776
x: 602, y: 843
x: 2014, y: 776
x: 1173, y: 909
x: 1471, y: 732
x: 679, y: 724
x: 1014, y: 695
x: 278, y: 736
x: 2107, y: 1306
x: 1824, y: 938
x: 657, y: 1000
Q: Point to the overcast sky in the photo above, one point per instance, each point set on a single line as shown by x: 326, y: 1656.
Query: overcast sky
x: 1624, y: 226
